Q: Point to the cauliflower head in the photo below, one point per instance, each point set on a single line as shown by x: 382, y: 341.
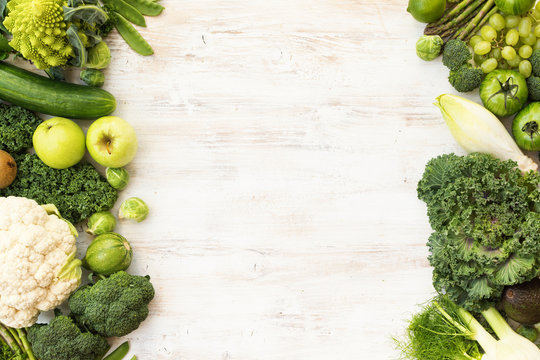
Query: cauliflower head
x: 38, y: 268
x: 39, y: 31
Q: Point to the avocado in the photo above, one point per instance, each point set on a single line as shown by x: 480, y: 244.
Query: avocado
x: 522, y: 302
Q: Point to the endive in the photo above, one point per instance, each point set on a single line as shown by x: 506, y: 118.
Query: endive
x: 478, y: 130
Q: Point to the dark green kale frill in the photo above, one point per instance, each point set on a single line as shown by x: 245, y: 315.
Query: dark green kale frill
x: 486, y: 228
x: 17, y: 125
x: 77, y: 192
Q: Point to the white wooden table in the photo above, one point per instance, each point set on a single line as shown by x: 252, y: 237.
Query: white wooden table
x: 280, y: 146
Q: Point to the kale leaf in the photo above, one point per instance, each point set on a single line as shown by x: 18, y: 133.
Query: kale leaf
x: 486, y: 226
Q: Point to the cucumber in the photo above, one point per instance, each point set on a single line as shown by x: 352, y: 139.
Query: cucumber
x: 41, y: 94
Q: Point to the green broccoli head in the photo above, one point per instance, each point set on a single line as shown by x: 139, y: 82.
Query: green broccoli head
x: 62, y: 339
x: 16, y: 128
x: 486, y: 230
x: 455, y: 54
x: 466, y: 78
x: 114, y: 306
x: 533, y: 84
x: 78, y: 191
x: 535, y: 62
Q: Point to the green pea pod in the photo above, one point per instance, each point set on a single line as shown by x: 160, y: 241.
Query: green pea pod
x: 130, y: 34
x: 146, y: 7
x: 119, y: 352
x: 127, y: 11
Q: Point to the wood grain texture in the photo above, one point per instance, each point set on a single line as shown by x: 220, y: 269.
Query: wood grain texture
x: 280, y: 146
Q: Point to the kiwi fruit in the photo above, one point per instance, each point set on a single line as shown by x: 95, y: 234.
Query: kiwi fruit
x: 8, y: 169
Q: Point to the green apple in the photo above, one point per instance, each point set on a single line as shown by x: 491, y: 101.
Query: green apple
x: 59, y: 142
x: 111, y: 141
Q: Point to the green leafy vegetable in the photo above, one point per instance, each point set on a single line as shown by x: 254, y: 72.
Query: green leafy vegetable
x: 16, y: 128
x: 79, y: 48
x: 77, y: 192
x: 62, y: 339
x: 114, y: 306
x: 90, y: 14
x: 486, y: 231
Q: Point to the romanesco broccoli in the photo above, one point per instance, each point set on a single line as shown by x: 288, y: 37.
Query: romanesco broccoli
x: 39, y: 31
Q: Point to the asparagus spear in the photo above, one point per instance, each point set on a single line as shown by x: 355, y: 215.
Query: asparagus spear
x: 469, y: 29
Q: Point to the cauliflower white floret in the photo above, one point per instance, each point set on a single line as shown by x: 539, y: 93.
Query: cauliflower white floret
x: 38, y: 268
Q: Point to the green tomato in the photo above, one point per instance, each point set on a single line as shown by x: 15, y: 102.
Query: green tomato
x: 514, y: 7
x: 428, y: 47
x: 504, y: 92
x: 101, y: 222
x: 426, y: 11
x: 107, y: 254
x: 134, y: 209
x: 118, y: 178
x: 526, y: 127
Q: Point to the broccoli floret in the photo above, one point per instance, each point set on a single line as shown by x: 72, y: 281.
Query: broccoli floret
x: 455, y: 54
x: 533, y: 84
x: 16, y: 128
x: 77, y: 192
x: 535, y: 62
x: 114, y: 306
x: 466, y: 78
x: 39, y: 31
x: 62, y: 339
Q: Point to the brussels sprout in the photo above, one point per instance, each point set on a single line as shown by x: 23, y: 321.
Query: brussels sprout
x: 93, y: 77
x: 99, y: 57
x: 428, y: 47
x: 101, y: 222
x: 134, y: 209
x: 117, y: 177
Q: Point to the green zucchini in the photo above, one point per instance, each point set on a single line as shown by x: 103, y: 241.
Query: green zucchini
x: 41, y: 94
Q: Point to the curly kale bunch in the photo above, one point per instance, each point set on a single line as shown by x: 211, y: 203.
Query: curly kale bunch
x: 16, y: 128
x: 77, y: 192
x: 114, y: 306
x: 455, y: 53
x: 486, y: 228
x: 62, y: 339
x: 466, y: 78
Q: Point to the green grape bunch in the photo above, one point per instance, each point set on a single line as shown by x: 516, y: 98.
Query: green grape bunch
x: 507, y: 42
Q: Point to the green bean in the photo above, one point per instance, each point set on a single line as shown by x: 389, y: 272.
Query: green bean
x: 127, y: 11
x: 119, y: 352
x: 130, y: 34
x: 146, y: 7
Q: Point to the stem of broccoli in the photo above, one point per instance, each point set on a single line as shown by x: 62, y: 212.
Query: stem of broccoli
x: 26, y: 345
